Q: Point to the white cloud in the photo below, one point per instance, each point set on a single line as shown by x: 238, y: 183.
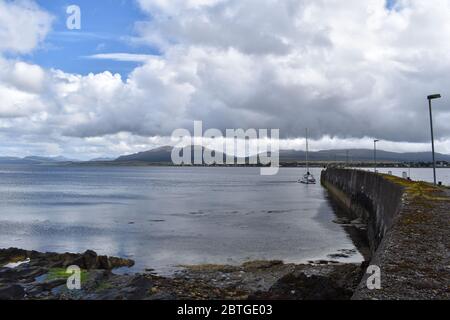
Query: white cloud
x: 125, y: 57
x: 348, y: 70
x: 27, y: 77
x: 16, y: 103
x: 23, y: 25
x: 175, y: 6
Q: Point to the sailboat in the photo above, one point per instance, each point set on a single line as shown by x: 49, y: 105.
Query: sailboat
x: 308, y: 178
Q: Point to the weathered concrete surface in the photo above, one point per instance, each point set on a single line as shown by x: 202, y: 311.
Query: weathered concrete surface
x: 368, y: 197
x: 408, y: 228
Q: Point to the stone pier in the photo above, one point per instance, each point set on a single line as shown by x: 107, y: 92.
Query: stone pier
x: 408, y: 228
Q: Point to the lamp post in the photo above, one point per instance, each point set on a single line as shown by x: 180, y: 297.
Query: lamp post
x: 432, y: 97
x: 346, y: 158
x: 375, y: 153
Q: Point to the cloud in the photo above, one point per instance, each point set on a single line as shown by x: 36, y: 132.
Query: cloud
x: 124, y: 57
x: 350, y: 71
x: 23, y: 25
x: 27, y: 77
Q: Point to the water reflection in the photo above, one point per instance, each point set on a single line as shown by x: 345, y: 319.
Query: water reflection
x: 164, y: 217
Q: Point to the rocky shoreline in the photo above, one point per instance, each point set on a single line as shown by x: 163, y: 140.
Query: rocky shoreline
x: 32, y: 275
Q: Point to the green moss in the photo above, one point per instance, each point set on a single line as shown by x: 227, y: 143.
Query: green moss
x: 60, y: 273
x: 419, y: 189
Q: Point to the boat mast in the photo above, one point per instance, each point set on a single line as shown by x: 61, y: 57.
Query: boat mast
x: 307, y: 150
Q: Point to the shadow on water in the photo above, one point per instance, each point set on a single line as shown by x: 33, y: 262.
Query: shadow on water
x: 357, y: 235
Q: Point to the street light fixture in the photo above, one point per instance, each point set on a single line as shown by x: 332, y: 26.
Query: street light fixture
x: 375, y: 153
x: 432, y: 97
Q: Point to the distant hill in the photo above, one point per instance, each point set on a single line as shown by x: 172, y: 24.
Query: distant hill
x: 9, y: 158
x: 49, y: 159
x: 163, y: 154
x: 361, y: 155
x: 12, y: 160
x: 35, y: 160
x: 101, y: 159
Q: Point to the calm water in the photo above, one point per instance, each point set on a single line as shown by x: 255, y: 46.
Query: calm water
x: 164, y: 217
x: 419, y: 174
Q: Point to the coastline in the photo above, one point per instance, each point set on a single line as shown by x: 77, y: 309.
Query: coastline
x: 41, y: 276
x: 394, y: 213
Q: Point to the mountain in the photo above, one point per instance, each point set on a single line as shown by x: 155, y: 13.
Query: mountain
x: 102, y: 159
x: 34, y: 160
x: 48, y: 159
x: 363, y: 155
x: 163, y: 155
x: 11, y: 160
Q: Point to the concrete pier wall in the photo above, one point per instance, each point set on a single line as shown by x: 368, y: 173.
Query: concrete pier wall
x: 366, y: 196
x: 408, y: 230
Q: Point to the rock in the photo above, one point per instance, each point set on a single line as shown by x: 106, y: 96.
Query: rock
x: 126, y: 288
x: 261, y: 264
x: 119, y: 262
x: 357, y: 221
x: 338, y: 255
x: 348, y: 251
x: 103, y: 263
x: 342, y: 221
x: 8, y: 274
x: 51, y: 284
x: 30, y: 274
x: 321, y: 262
x: 163, y: 296
x: 302, y: 287
x: 90, y: 261
x: 12, y: 255
x: 35, y: 291
x: 12, y: 292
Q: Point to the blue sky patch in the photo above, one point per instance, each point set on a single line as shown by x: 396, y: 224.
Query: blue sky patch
x: 391, y: 4
x: 106, y: 26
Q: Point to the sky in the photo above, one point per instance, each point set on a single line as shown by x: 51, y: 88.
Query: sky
x: 351, y: 71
